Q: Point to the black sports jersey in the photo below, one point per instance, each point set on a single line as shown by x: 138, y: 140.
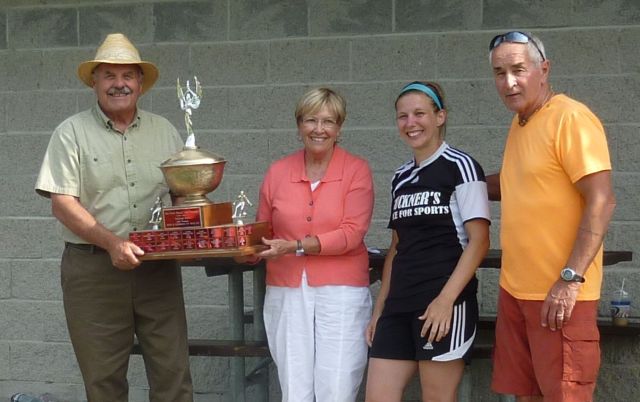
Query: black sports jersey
x: 431, y: 202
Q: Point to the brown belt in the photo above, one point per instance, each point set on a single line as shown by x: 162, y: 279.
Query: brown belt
x: 89, y: 248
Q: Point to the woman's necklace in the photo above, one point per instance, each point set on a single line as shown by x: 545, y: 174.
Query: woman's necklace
x: 524, y: 120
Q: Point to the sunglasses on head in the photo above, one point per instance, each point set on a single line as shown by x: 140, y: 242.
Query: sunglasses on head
x: 514, y: 37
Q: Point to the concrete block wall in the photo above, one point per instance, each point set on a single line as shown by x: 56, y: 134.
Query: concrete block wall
x: 254, y: 59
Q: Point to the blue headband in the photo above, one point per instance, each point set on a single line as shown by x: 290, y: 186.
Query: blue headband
x: 425, y: 89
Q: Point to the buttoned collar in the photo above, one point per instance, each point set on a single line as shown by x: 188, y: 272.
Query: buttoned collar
x: 106, y: 122
x: 334, y: 170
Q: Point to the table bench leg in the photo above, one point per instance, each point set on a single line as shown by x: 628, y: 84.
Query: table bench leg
x: 259, y: 276
x: 236, y: 318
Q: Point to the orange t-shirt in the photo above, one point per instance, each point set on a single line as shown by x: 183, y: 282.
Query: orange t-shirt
x: 541, y: 207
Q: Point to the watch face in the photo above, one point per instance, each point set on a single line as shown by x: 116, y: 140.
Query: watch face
x: 567, y: 274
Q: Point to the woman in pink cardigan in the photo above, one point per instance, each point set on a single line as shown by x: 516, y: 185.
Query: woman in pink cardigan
x: 319, y: 201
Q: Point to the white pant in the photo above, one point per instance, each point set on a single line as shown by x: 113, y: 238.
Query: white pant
x: 316, y: 338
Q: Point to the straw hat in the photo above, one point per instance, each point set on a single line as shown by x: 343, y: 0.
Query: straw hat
x: 117, y: 49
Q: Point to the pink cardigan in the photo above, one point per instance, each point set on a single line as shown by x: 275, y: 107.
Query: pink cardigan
x: 338, y: 212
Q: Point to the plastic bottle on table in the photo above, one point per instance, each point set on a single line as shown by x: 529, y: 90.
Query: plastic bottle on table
x: 620, y: 306
x: 20, y: 397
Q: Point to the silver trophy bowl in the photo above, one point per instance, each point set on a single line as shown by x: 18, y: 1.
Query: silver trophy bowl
x: 193, y: 173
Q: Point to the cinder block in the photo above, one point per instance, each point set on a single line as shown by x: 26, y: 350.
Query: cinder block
x: 624, y: 143
x: 488, y: 290
x: 379, y: 235
x: 382, y: 204
x: 481, y: 370
x: 14, y: 66
x: 494, y: 208
x: 5, y: 353
x: 629, y: 37
x: 624, y: 236
x: 52, y: 108
x: 210, y: 375
x: 586, y: 52
x: 618, y: 383
x: 136, y: 375
x: 619, y: 12
x: 619, y: 351
x: 628, y: 202
x: 34, y: 361
x: 36, y: 280
x: 23, y: 151
x: 86, y: 98
x: 22, y: 320
x: 172, y: 61
x: 21, y: 199
x: 45, y: 237
x: 199, y: 289
x: 190, y: 21
x: 262, y: 107
x: 494, y: 234
x: 133, y: 20
x: 260, y: 19
x: 3, y: 30
x: 5, y: 279
x: 55, y: 329
x: 230, y: 63
x: 321, y: 60
x: 407, y: 58
x: 5, y: 79
x: 285, y: 141
x: 504, y: 14
x: 207, y: 322
x: 602, y: 95
x: 42, y: 27
x: 330, y: 17
x: 60, y: 69
x: 484, y: 144
x: 19, y: 238
x: 381, y: 147
x: 474, y: 102
x: 370, y: 102
x: 420, y: 15
x: 463, y: 55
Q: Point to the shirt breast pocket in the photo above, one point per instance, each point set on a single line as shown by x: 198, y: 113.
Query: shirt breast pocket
x: 99, y: 173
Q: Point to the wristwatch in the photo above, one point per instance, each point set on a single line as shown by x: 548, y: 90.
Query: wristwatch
x: 569, y: 275
x: 299, y: 249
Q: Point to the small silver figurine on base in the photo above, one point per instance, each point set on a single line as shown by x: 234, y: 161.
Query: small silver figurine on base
x: 156, y: 214
x: 240, y: 208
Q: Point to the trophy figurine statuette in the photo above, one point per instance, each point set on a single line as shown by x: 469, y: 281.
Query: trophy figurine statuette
x: 195, y: 227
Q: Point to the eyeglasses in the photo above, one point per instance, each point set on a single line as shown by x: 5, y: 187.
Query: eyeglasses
x: 313, y: 122
x: 514, y: 37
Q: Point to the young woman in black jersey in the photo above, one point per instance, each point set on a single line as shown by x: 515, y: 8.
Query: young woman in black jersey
x: 425, y: 316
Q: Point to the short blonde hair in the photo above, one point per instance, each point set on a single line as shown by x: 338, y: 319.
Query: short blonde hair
x: 316, y: 98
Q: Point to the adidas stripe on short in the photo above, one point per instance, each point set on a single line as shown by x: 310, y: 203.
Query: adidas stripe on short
x: 398, y: 337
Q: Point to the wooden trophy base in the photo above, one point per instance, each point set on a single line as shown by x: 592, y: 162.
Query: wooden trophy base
x: 202, y: 242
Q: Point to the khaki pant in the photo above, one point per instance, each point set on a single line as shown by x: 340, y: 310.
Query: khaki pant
x: 105, y: 307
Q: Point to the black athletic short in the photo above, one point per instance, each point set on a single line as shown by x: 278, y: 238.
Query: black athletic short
x: 398, y: 337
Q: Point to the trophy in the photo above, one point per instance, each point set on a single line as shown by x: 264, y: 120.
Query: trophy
x: 196, y: 227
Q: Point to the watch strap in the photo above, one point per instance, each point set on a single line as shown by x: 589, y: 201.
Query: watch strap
x: 299, y: 248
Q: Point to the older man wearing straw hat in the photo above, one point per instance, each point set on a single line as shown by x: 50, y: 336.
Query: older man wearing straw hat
x: 101, y: 173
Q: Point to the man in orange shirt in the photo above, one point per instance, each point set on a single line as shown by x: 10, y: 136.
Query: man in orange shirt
x: 557, y: 201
